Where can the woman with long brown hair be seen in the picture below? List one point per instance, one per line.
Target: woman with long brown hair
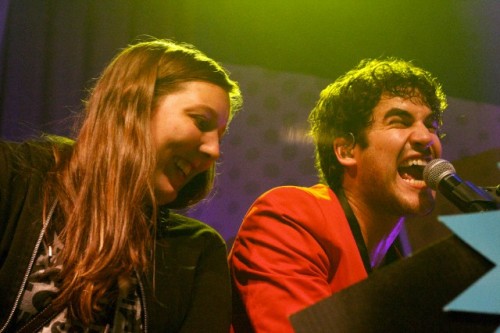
(87, 238)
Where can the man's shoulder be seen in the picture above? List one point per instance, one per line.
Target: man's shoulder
(319, 192)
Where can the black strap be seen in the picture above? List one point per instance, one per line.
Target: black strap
(40, 319)
(355, 229)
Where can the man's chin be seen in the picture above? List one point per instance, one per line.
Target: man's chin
(424, 208)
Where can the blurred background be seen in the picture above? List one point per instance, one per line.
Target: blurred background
(282, 53)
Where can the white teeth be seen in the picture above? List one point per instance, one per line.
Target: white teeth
(416, 161)
(414, 181)
(184, 166)
(409, 178)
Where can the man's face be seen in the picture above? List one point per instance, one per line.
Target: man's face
(400, 141)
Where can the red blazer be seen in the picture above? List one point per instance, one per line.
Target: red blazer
(294, 248)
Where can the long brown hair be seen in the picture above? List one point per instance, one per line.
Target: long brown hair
(103, 185)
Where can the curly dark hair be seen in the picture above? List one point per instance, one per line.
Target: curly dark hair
(346, 106)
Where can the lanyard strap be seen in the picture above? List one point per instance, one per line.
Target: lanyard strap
(355, 229)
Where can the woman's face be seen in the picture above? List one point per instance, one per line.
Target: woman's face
(187, 127)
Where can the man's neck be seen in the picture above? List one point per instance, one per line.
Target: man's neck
(379, 230)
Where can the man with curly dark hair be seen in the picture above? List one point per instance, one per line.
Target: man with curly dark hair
(375, 128)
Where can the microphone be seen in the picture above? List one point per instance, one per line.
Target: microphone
(440, 175)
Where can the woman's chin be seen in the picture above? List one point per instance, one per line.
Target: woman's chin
(163, 198)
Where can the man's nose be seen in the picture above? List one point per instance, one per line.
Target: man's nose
(422, 136)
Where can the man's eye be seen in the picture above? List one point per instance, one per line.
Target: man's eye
(433, 127)
(399, 122)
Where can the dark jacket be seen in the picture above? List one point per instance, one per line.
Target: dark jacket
(192, 291)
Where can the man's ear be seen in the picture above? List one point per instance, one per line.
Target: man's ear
(343, 149)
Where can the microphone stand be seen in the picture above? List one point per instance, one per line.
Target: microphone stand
(494, 192)
(468, 197)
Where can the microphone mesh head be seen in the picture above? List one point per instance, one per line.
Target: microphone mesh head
(436, 170)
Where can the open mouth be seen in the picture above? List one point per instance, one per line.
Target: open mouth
(411, 171)
(183, 166)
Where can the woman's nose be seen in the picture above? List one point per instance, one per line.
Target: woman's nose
(210, 145)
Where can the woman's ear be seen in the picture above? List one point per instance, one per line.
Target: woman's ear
(343, 148)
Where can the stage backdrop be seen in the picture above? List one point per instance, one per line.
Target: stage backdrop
(267, 145)
(51, 50)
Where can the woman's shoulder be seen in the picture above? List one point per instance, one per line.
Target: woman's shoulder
(181, 226)
(33, 154)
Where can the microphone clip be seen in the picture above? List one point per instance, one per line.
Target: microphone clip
(467, 196)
